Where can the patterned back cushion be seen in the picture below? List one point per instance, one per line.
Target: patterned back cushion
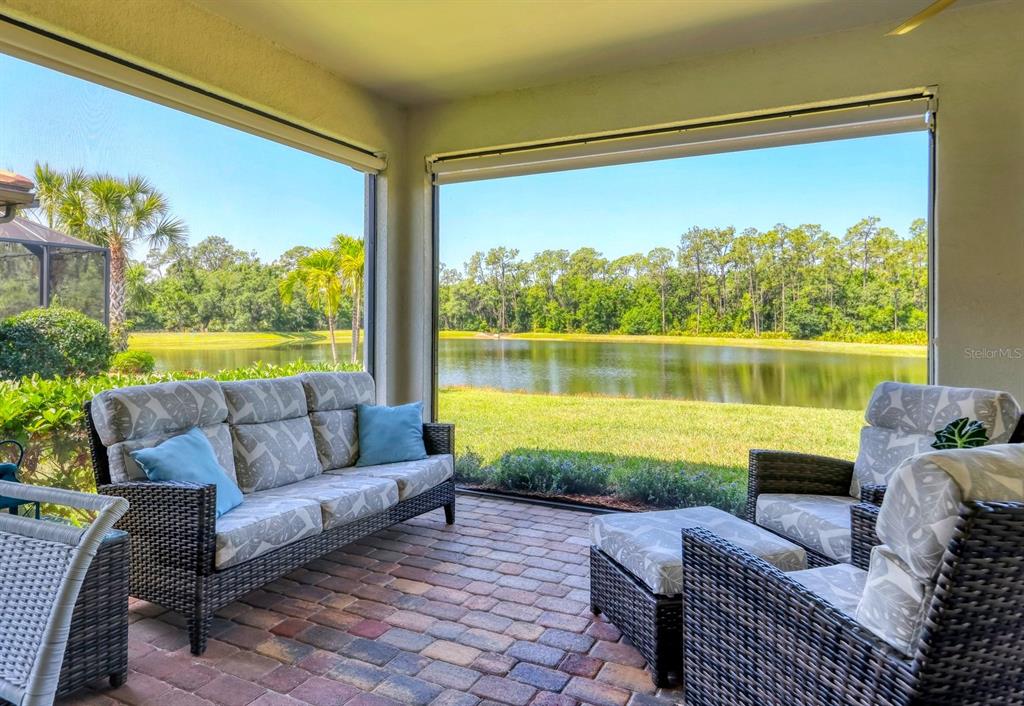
(271, 435)
(332, 399)
(902, 421)
(917, 521)
(142, 416)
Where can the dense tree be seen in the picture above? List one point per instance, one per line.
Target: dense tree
(798, 281)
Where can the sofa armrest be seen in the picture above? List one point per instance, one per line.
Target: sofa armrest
(873, 494)
(172, 524)
(439, 438)
(741, 610)
(791, 472)
(863, 534)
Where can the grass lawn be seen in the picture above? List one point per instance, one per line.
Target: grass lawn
(630, 433)
(788, 344)
(175, 340)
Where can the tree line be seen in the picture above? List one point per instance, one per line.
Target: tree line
(800, 282)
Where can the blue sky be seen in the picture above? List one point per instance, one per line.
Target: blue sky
(258, 194)
(267, 197)
(632, 208)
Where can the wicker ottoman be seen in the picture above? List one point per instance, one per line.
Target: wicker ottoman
(636, 574)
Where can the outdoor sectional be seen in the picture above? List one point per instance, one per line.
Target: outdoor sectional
(290, 443)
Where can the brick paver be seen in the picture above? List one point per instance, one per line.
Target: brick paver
(493, 610)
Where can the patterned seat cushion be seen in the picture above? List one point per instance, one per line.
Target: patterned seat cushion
(821, 522)
(263, 523)
(137, 417)
(332, 399)
(903, 418)
(649, 544)
(411, 477)
(271, 434)
(343, 499)
(917, 522)
(840, 584)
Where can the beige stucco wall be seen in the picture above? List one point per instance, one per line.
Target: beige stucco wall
(975, 57)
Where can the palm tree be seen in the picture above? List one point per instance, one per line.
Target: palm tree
(319, 276)
(116, 213)
(353, 263)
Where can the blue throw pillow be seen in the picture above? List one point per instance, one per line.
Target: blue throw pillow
(390, 434)
(190, 457)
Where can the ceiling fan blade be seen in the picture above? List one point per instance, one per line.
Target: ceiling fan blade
(914, 22)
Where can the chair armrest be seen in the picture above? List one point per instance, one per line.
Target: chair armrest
(741, 610)
(791, 472)
(873, 494)
(439, 438)
(863, 535)
(172, 524)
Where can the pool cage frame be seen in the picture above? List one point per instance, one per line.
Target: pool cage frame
(39, 241)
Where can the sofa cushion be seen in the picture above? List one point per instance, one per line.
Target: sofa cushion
(343, 498)
(273, 454)
(259, 401)
(326, 392)
(263, 523)
(820, 522)
(649, 544)
(840, 584)
(141, 411)
(903, 418)
(390, 434)
(124, 468)
(190, 458)
(337, 442)
(412, 477)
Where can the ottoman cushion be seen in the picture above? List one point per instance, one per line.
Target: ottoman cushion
(649, 546)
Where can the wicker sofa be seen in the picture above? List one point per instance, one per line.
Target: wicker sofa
(935, 620)
(817, 501)
(290, 444)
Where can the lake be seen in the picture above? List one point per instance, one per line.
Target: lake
(714, 373)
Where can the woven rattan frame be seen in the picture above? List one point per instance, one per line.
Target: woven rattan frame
(863, 518)
(98, 639)
(173, 530)
(653, 623)
(754, 637)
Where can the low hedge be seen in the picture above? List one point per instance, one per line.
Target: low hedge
(52, 342)
(137, 362)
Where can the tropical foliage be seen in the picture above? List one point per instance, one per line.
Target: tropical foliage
(116, 213)
(799, 282)
(53, 341)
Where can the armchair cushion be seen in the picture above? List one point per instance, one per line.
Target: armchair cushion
(840, 584)
(903, 418)
(647, 544)
(820, 522)
(895, 601)
(263, 523)
(343, 499)
(411, 477)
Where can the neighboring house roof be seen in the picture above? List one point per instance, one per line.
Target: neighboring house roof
(22, 230)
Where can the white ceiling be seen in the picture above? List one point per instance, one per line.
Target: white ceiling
(416, 51)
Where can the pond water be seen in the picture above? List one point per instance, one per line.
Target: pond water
(711, 373)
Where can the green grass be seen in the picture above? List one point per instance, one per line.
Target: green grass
(630, 433)
(183, 340)
(788, 344)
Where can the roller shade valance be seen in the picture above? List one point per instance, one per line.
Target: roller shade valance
(788, 128)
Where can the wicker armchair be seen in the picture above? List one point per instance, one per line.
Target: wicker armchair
(758, 637)
(811, 499)
(42, 567)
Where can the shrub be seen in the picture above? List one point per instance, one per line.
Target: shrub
(674, 487)
(549, 474)
(53, 342)
(469, 468)
(133, 362)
